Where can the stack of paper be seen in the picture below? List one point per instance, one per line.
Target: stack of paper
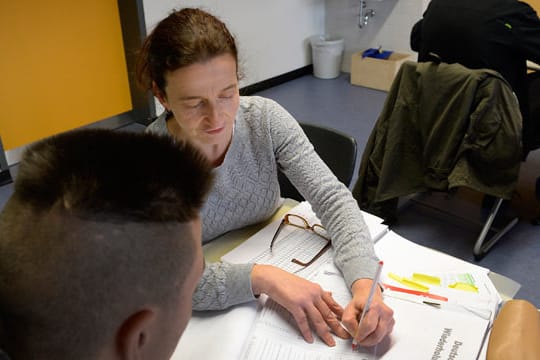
(443, 306)
(436, 320)
(421, 331)
(293, 242)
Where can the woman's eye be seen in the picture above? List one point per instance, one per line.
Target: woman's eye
(194, 104)
(227, 95)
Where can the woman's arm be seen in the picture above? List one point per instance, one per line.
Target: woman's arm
(333, 203)
(223, 285)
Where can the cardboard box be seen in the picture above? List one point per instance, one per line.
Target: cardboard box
(376, 73)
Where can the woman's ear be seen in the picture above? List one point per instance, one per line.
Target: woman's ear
(158, 93)
(133, 335)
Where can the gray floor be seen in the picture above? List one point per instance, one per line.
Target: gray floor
(352, 109)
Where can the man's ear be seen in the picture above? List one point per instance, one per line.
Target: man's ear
(160, 96)
(133, 335)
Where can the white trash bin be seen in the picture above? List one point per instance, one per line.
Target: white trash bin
(327, 53)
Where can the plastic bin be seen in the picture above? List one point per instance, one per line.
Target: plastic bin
(327, 54)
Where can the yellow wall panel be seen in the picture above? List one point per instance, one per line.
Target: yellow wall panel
(62, 66)
(535, 4)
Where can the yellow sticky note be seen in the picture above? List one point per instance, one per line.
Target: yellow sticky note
(414, 284)
(427, 279)
(410, 283)
(463, 286)
(394, 276)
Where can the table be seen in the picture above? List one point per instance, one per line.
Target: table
(214, 250)
(221, 334)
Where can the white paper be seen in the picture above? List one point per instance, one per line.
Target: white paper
(216, 334)
(403, 257)
(276, 336)
(293, 243)
(421, 332)
(395, 249)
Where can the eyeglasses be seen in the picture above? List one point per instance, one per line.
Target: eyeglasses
(299, 222)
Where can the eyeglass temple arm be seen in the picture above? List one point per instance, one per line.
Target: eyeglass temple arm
(276, 233)
(318, 255)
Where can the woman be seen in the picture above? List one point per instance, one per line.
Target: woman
(190, 62)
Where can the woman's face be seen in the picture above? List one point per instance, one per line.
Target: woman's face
(204, 98)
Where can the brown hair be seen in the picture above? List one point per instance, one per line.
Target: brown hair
(185, 37)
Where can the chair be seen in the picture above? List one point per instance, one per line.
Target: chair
(5, 175)
(338, 150)
(533, 92)
(442, 127)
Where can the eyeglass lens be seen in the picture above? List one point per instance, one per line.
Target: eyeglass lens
(300, 222)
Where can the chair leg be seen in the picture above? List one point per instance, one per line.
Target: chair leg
(482, 246)
(536, 221)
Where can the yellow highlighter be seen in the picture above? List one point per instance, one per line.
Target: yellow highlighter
(427, 279)
(410, 283)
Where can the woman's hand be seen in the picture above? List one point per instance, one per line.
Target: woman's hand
(378, 321)
(309, 304)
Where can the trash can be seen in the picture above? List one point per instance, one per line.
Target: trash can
(327, 52)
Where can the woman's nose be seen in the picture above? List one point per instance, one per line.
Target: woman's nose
(212, 112)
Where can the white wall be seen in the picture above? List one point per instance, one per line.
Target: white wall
(272, 36)
(389, 28)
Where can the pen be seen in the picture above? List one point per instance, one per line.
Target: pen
(368, 302)
(347, 330)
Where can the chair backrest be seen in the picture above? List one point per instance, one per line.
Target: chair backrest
(338, 150)
(5, 176)
(443, 126)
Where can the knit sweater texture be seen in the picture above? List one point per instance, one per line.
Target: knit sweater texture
(266, 139)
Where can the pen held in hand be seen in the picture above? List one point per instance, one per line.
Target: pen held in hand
(368, 302)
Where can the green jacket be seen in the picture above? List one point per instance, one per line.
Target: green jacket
(442, 126)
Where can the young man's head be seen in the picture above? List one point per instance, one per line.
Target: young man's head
(100, 247)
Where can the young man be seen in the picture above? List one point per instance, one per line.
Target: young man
(100, 247)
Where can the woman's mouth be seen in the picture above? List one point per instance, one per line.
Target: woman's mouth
(215, 131)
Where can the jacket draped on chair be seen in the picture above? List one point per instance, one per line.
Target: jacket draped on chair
(442, 126)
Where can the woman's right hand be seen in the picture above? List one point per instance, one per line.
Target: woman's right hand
(308, 303)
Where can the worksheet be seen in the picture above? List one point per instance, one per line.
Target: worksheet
(276, 336)
(412, 268)
(293, 243)
(422, 331)
(443, 306)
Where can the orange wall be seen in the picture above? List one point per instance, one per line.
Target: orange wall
(535, 4)
(62, 65)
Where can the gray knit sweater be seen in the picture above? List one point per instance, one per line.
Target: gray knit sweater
(246, 191)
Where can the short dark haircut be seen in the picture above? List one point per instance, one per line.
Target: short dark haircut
(86, 237)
